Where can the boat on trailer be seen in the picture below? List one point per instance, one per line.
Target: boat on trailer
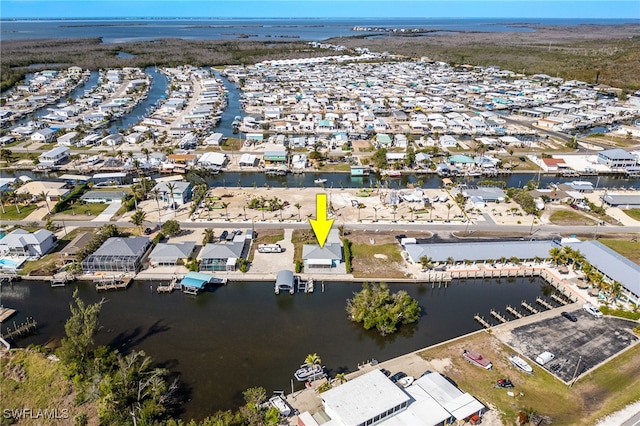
(477, 359)
(520, 363)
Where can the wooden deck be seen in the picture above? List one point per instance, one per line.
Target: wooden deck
(6, 313)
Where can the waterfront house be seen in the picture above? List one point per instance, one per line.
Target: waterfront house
(180, 194)
(103, 196)
(118, 254)
(172, 254)
(623, 201)
(53, 191)
(316, 257)
(222, 257)
(68, 139)
(43, 135)
(372, 399)
(23, 243)
(113, 178)
(112, 140)
(69, 252)
(275, 157)
(617, 158)
(215, 160)
(248, 160)
(54, 157)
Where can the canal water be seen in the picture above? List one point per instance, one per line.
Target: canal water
(241, 335)
(157, 92)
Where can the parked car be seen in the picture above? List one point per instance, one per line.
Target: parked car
(589, 308)
(385, 372)
(569, 316)
(224, 235)
(399, 375)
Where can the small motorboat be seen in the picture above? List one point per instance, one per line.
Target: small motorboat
(477, 359)
(504, 383)
(309, 372)
(405, 381)
(520, 363)
(281, 405)
(319, 181)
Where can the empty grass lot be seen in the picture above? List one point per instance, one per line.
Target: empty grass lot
(377, 260)
(627, 248)
(605, 390)
(633, 214)
(568, 217)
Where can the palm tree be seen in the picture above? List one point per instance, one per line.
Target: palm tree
(425, 262)
(156, 195)
(450, 260)
(360, 207)
(312, 359)
(375, 213)
(6, 155)
(341, 378)
(16, 200)
(449, 207)
(395, 210)
(298, 206)
(225, 206)
(614, 290)
(138, 218)
(209, 235)
(44, 196)
(412, 210)
(556, 255)
(171, 187)
(3, 198)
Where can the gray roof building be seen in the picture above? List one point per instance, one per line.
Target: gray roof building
(486, 193)
(171, 253)
(480, 251)
(221, 257)
(612, 264)
(622, 200)
(118, 254)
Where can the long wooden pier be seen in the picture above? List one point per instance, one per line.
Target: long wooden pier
(22, 329)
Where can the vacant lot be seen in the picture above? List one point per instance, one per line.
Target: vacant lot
(569, 218)
(597, 394)
(628, 248)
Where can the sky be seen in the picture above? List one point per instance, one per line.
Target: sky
(563, 9)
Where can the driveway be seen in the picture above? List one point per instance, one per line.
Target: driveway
(274, 262)
(108, 213)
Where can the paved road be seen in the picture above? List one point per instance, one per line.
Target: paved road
(633, 421)
(400, 226)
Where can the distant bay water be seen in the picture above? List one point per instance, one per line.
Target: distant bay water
(133, 30)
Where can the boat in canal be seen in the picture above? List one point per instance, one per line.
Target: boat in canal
(309, 372)
(319, 181)
(281, 405)
(477, 359)
(520, 363)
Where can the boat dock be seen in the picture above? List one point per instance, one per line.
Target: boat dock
(22, 329)
(61, 279)
(497, 316)
(482, 321)
(112, 283)
(173, 285)
(529, 308)
(6, 313)
(543, 302)
(514, 312)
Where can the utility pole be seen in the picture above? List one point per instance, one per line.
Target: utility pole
(573, 379)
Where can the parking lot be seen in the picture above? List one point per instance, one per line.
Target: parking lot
(577, 346)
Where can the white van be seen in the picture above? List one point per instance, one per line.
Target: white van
(270, 248)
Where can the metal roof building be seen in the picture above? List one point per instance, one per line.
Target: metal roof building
(118, 254)
(622, 200)
(613, 265)
(480, 251)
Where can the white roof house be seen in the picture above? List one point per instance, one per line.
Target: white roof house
(216, 159)
(25, 244)
(363, 399)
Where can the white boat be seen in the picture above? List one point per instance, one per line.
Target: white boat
(477, 359)
(307, 372)
(319, 181)
(281, 405)
(520, 363)
(406, 381)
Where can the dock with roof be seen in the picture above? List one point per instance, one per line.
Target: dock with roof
(194, 282)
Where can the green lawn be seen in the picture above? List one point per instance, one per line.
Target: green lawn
(11, 212)
(633, 214)
(628, 248)
(377, 260)
(32, 381)
(568, 217)
(89, 209)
